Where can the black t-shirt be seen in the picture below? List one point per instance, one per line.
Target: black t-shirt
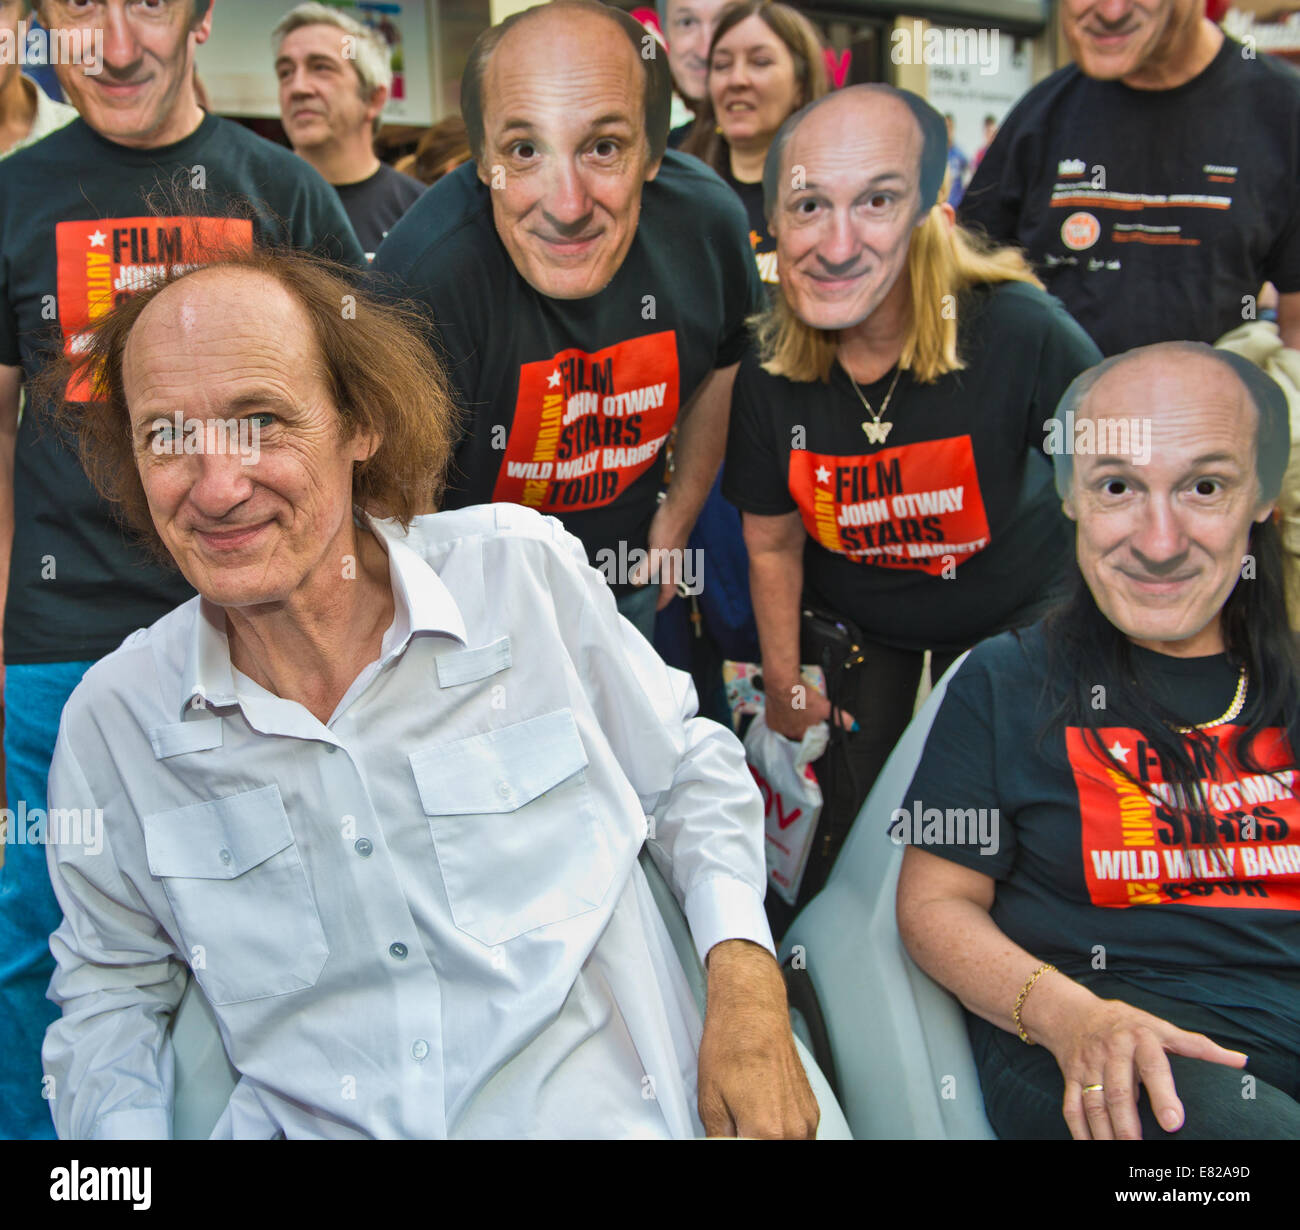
(569, 402)
(951, 529)
(374, 204)
(1151, 213)
(76, 234)
(760, 238)
(679, 134)
(1091, 874)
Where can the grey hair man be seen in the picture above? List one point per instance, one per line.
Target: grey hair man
(335, 78)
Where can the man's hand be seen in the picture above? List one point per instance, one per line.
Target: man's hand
(1120, 1048)
(751, 1082)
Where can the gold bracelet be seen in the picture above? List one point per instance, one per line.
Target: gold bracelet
(1020, 999)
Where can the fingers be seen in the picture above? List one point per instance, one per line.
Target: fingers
(667, 592)
(1120, 1091)
(1198, 1046)
(1072, 1110)
(1153, 1070)
(1093, 1096)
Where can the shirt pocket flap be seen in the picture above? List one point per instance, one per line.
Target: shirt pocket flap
(500, 770)
(469, 665)
(218, 840)
(196, 736)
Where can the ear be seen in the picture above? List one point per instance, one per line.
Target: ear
(653, 169)
(364, 445)
(376, 104)
(1266, 511)
(1067, 507)
(949, 214)
(204, 28)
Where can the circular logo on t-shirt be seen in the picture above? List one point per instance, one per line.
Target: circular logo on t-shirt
(1080, 231)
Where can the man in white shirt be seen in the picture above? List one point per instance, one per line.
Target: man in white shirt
(382, 789)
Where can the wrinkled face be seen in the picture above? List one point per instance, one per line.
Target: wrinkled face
(847, 206)
(565, 149)
(752, 82)
(1110, 39)
(144, 95)
(321, 98)
(1161, 545)
(223, 347)
(689, 33)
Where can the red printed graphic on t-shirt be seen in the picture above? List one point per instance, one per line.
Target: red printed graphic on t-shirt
(101, 262)
(915, 506)
(1144, 850)
(587, 426)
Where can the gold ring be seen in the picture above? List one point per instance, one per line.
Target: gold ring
(1093, 1088)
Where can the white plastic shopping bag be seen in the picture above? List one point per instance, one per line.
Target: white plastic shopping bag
(792, 799)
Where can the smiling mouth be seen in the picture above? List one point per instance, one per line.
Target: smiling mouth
(739, 105)
(1157, 585)
(569, 247)
(232, 539)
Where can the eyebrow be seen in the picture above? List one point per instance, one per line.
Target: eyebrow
(519, 124)
(876, 181)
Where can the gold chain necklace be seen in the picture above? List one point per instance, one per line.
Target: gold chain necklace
(876, 430)
(1238, 704)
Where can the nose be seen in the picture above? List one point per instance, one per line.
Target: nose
(1113, 12)
(122, 50)
(221, 483)
(566, 203)
(838, 249)
(1160, 544)
(297, 83)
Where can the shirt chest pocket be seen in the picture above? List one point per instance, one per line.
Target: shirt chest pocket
(239, 891)
(519, 841)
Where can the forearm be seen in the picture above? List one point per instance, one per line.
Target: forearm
(959, 945)
(698, 452)
(776, 586)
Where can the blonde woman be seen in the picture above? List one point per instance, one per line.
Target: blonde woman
(886, 442)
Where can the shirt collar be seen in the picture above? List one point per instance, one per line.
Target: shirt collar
(421, 603)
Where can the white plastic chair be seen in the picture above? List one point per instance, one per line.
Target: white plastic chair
(892, 1041)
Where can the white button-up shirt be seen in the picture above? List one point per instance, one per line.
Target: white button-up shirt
(425, 917)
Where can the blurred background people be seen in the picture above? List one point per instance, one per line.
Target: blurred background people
(1154, 182)
(764, 63)
(27, 112)
(886, 441)
(958, 164)
(441, 149)
(687, 27)
(334, 80)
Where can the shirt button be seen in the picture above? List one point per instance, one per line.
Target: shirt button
(225, 856)
(397, 951)
(504, 789)
(331, 748)
(364, 846)
(419, 1048)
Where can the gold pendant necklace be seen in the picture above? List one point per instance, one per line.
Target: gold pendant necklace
(1238, 704)
(876, 430)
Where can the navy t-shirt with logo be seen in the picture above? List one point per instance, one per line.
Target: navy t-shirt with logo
(948, 530)
(80, 229)
(1095, 870)
(570, 402)
(1154, 215)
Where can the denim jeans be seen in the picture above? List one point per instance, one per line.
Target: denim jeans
(34, 700)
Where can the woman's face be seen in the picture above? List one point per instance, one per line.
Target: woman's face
(752, 83)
